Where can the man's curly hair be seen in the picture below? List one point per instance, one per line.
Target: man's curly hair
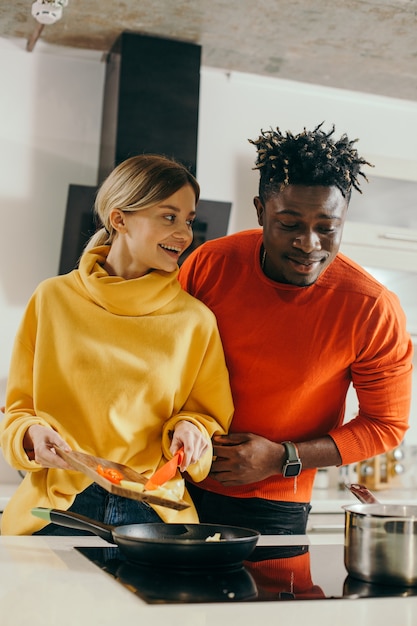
(309, 158)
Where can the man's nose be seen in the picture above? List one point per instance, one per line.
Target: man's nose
(307, 242)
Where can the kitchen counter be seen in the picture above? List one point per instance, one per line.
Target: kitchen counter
(332, 500)
(44, 581)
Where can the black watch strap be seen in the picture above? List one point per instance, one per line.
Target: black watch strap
(292, 464)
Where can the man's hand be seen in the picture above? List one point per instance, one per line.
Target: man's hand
(39, 443)
(243, 458)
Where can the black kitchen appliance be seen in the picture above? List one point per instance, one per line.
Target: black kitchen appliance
(276, 573)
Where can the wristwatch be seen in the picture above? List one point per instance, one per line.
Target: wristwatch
(292, 464)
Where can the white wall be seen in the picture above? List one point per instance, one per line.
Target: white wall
(235, 107)
(50, 116)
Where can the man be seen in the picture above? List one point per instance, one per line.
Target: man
(299, 323)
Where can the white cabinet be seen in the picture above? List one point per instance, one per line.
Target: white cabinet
(326, 523)
(386, 247)
(390, 254)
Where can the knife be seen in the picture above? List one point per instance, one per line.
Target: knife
(166, 472)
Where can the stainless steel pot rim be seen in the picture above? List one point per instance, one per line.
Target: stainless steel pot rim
(394, 512)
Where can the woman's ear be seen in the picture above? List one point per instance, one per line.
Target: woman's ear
(259, 209)
(117, 220)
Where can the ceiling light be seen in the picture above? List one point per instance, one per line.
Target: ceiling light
(48, 11)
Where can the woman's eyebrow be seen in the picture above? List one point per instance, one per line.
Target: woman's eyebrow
(175, 208)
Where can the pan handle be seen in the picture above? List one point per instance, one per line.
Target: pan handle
(362, 493)
(75, 520)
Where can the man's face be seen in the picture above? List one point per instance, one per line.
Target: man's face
(302, 231)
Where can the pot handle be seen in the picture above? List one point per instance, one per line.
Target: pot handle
(362, 493)
(75, 520)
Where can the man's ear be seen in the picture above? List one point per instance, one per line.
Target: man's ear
(117, 220)
(259, 209)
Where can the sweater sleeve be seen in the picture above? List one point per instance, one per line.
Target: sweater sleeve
(209, 405)
(20, 412)
(382, 378)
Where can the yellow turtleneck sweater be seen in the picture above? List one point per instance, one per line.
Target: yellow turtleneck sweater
(112, 365)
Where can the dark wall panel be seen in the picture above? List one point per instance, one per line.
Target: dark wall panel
(79, 225)
(150, 104)
(212, 222)
(151, 100)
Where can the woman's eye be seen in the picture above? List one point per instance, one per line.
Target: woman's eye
(190, 223)
(170, 218)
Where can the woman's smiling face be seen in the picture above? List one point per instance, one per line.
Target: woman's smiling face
(153, 238)
(302, 231)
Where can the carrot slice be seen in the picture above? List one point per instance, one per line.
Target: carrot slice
(112, 474)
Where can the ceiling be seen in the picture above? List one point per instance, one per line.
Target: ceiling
(368, 45)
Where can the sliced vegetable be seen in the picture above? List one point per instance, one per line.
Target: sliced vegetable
(174, 492)
(112, 474)
(130, 484)
(215, 537)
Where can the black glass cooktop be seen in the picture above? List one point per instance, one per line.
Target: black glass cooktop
(282, 573)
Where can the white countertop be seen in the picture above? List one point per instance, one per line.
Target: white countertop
(44, 582)
(59, 586)
(332, 500)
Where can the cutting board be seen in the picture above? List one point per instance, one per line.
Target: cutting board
(87, 464)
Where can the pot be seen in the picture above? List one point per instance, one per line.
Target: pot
(166, 545)
(380, 540)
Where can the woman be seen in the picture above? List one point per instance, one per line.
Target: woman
(115, 359)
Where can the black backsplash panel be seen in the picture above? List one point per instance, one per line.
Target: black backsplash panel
(212, 222)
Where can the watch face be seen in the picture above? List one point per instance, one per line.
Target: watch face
(292, 469)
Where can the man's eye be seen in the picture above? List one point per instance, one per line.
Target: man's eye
(287, 226)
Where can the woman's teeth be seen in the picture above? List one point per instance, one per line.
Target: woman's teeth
(170, 248)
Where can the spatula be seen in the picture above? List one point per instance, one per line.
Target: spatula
(166, 472)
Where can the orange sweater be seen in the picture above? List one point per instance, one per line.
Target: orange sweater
(284, 577)
(292, 353)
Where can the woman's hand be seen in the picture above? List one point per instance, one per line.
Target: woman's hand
(187, 435)
(39, 443)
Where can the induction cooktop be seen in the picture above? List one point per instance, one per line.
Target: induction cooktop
(278, 573)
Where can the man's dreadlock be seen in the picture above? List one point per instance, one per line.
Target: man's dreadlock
(309, 158)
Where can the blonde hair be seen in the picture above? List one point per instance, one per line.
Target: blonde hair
(138, 183)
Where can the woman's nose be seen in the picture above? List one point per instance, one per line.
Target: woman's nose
(183, 231)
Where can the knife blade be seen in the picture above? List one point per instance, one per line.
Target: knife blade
(166, 472)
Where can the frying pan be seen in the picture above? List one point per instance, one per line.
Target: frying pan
(166, 545)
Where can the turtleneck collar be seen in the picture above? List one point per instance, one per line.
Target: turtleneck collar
(134, 297)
